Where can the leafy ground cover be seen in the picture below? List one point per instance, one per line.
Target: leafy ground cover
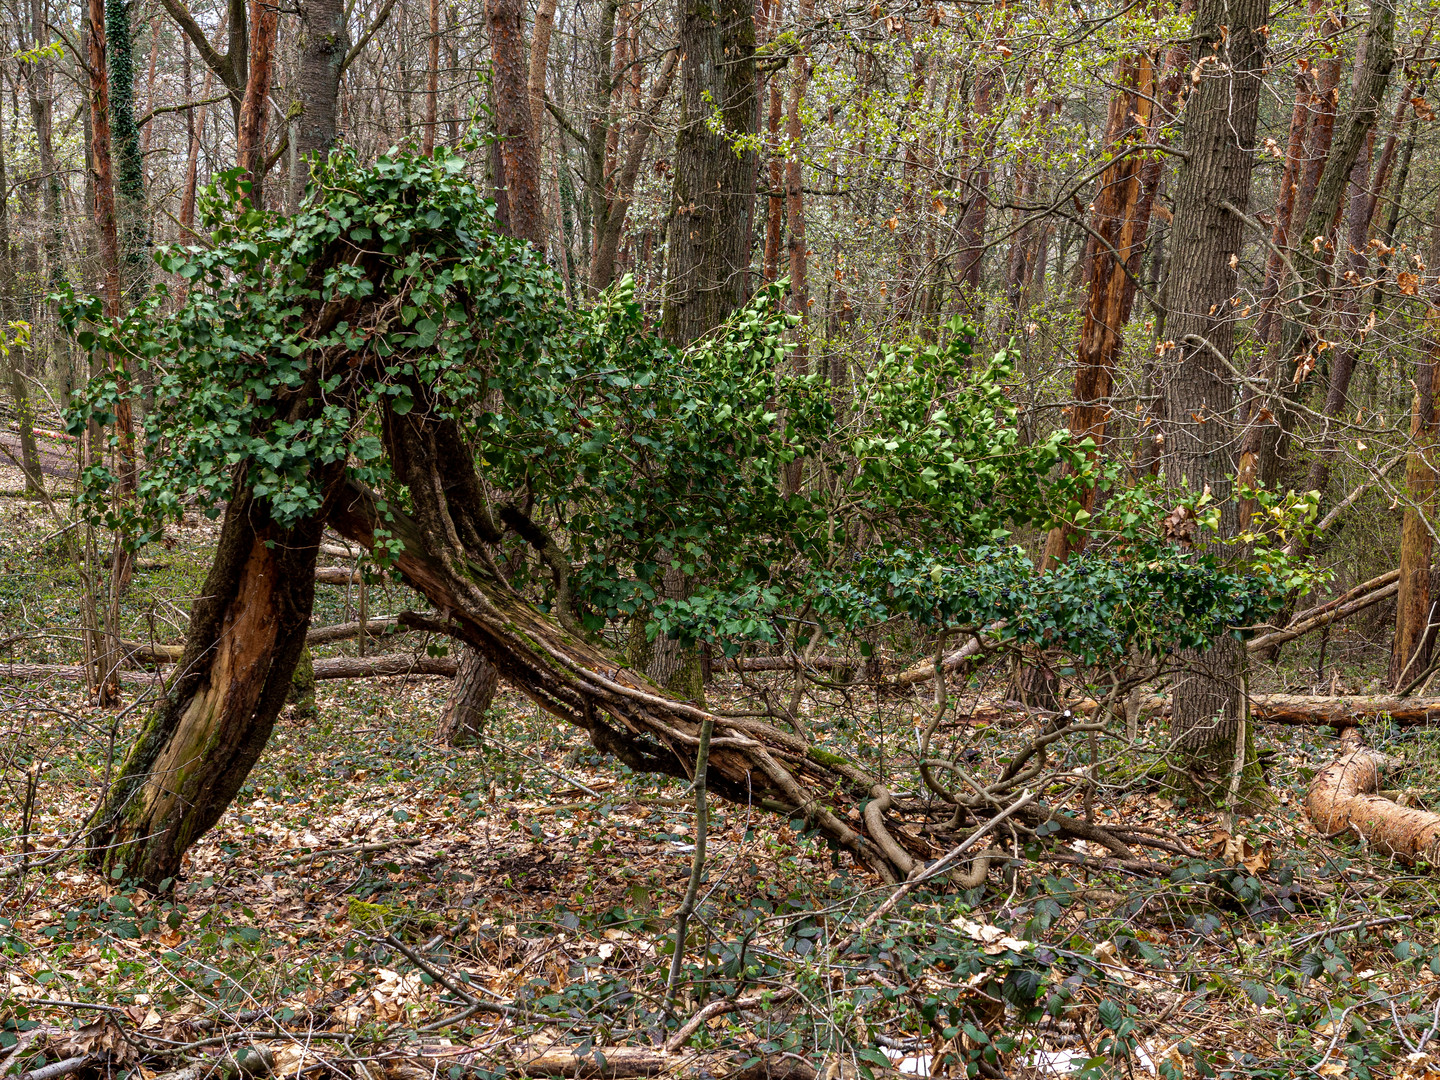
(377, 904)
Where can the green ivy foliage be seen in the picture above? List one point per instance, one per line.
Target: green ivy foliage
(293, 338)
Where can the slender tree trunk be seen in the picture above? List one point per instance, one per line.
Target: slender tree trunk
(24, 411)
(129, 167)
(149, 124)
(518, 150)
(709, 246)
(1220, 120)
(1346, 167)
(324, 41)
(194, 128)
(775, 204)
(617, 206)
(1119, 231)
(255, 109)
(796, 243)
(432, 81)
(1411, 650)
(463, 718)
(977, 197)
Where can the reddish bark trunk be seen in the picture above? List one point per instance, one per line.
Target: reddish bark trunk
(518, 152)
(255, 108)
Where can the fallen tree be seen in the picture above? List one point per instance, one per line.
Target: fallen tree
(419, 367)
(1344, 797)
(1343, 606)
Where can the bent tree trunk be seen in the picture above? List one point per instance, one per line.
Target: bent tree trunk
(247, 632)
(463, 718)
(622, 712)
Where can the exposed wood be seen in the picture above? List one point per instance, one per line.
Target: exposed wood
(336, 575)
(1343, 798)
(379, 667)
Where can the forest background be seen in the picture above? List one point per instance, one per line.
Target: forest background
(1123, 586)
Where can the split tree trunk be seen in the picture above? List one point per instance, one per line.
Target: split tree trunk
(247, 631)
(463, 718)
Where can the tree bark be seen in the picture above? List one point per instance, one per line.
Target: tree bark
(255, 109)
(1220, 120)
(1410, 652)
(1119, 229)
(463, 718)
(247, 631)
(539, 61)
(432, 81)
(518, 150)
(708, 262)
(769, 15)
(324, 41)
(24, 410)
(981, 136)
(129, 173)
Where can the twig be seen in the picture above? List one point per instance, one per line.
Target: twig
(352, 849)
(1363, 924)
(697, 863)
(429, 969)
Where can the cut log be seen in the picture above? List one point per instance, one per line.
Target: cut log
(391, 626)
(336, 575)
(1343, 797)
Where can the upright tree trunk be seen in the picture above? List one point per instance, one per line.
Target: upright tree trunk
(1220, 120)
(14, 358)
(471, 692)
(981, 136)
(775, 203)
(247, 632)
(432, 81)
(324, 41)
(708, 261)
(1346, 167)
(518, 150)
(1119, 230)
(1411, 650)
(622, 187)
(255, 109)
(149, 125)
(539, 62)
(194, 128)
(129, 171)
(795, 185)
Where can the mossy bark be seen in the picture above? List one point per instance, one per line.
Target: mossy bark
(246, 637)
(302, 687)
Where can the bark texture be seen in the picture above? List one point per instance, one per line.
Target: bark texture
(1343, 798)
(463, 718)
(519, 152)
(1410, 652)
(1220, 120)
(247, 631)
(709, 240)
(255, 109)
(324, 41)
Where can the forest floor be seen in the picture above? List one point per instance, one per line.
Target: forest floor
(376, 904)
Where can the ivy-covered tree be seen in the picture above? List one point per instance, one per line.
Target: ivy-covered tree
(387, 364)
